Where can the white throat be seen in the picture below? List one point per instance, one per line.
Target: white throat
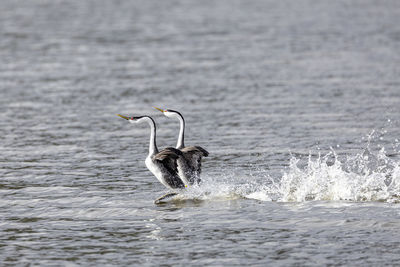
(180, 144)
(152, 145)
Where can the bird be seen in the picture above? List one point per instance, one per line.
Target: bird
(163, 164)
(192, 154)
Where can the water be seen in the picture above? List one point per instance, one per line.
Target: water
(298, 103)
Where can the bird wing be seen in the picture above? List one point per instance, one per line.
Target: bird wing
(193, 155)
(168, 157)
(195, 150)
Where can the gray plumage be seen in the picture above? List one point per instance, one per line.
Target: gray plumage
(193, 156)
(167, 158)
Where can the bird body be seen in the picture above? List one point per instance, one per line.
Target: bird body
(190, 172)
(163, 164)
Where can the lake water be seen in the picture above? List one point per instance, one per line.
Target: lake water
(298, 103)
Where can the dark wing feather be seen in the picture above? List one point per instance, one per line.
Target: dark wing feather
(166, 153)
(195, 150)
(193, 155)
(168, 157)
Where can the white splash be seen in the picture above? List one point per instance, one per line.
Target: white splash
(370, 175)
(364, 177)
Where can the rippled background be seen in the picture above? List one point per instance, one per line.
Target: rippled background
(298, 103)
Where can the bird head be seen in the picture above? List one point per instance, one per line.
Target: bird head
(168, 112)
(132, 119)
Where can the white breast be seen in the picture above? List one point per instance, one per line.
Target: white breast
(156, 170)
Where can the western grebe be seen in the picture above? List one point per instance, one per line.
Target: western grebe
(192, 154)
(163, 164)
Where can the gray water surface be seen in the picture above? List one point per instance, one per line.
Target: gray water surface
(265, 86)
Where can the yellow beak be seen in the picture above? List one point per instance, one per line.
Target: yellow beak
(124, 117)
(159, 109)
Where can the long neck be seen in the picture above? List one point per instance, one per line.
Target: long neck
(152, 146)
(180, 144)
